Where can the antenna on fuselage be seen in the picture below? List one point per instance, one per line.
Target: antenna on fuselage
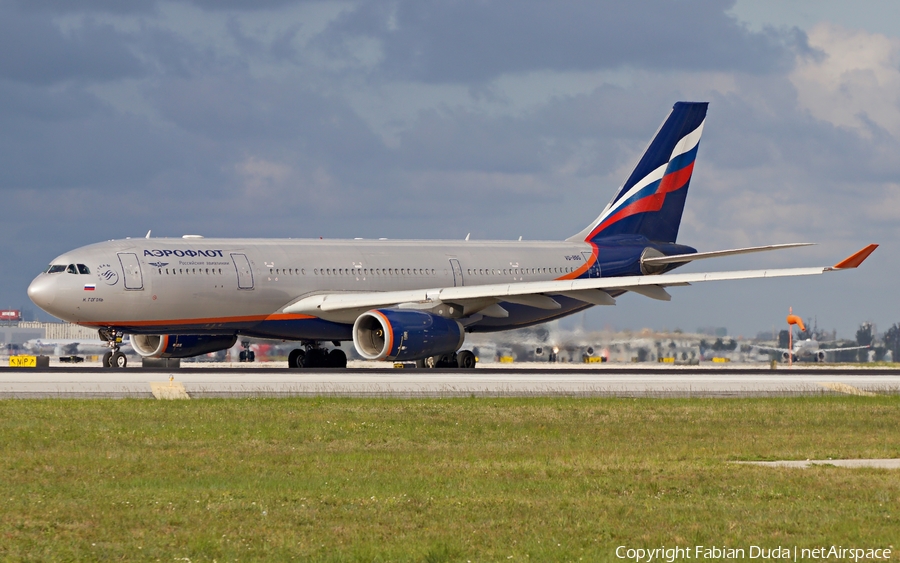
(468, 235)
(148, 233)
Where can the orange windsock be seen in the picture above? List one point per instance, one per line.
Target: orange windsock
(795, 320)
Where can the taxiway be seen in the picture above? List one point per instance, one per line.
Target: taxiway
(66, 382)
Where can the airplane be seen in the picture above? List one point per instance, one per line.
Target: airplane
(396, 300)
(807, 350)
(804, 350)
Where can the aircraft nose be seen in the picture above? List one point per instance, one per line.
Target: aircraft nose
(42, 292)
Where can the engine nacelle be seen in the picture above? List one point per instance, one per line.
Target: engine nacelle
(180, 345)
(403, 334)
(820, 356)
(785, 356)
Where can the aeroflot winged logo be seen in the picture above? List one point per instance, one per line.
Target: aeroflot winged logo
(107, 274)
(158, 253)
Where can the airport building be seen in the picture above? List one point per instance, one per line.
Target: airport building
(17, 333)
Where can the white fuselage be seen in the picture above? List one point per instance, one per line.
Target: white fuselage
(242, 285)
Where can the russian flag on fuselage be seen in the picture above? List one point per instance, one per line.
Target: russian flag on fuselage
(651, 201)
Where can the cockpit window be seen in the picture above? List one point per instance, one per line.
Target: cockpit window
(82, 269)
(56, 269)
(71, 269)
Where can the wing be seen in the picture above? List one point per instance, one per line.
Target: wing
(840, 349)
(770, 349)
(484, 299)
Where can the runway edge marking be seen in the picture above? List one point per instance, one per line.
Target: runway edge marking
(847, 389)
(168, 390)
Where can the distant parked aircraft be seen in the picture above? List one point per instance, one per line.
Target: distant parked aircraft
(805, 350)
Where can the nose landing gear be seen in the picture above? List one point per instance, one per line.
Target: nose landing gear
(114, 358)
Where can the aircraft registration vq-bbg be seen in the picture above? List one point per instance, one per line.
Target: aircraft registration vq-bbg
(397, 300)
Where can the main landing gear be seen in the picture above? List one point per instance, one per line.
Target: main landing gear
(246, 355)
(313, 356)
(464, 359)
(114, 358)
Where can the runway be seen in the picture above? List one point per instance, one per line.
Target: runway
(629, 381)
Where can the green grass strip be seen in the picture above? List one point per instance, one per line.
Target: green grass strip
(437, 480)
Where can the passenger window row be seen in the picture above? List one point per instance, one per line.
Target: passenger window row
(375, 271)
(518, 271)
(415, 271)
(190, 271)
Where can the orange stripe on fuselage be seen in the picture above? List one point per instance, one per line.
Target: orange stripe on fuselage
(595, 253)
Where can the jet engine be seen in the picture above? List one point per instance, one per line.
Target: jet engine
(785, 356)
(403, 334)
(179, 346)
(820, 356)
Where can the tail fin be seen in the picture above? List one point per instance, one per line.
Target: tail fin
(651, 202)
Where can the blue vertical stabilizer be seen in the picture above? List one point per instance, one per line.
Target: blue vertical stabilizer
(651, 201)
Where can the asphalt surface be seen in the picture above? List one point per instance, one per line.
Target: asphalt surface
(616, 381)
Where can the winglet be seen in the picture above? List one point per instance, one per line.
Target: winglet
(856, 259)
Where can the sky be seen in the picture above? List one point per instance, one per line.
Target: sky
(435, 119)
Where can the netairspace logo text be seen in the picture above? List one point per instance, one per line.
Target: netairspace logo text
(672, 554)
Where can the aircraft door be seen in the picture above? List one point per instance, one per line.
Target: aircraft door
(244, 273)
(132, 270)
(457, 272)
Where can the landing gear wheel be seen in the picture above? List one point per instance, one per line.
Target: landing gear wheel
(336, 359)
(465, 359)
(106, 361)
(315, 358)
(118, 360)
(426, 363)
(296, 359)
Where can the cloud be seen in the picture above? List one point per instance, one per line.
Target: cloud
(85, 6)
(34, 50)
(149, 6)
(855, 84)
(476, 41)
(405, 119)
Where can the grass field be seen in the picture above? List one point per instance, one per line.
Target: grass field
(438, 480)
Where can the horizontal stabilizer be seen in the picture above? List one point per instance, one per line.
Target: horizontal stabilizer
(684, 258)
